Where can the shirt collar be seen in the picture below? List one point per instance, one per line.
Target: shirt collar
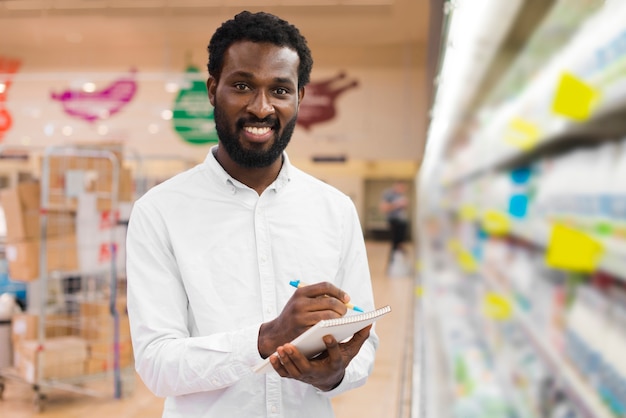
(284, 176)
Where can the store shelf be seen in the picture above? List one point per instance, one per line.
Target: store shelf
(606, 122)
(590, 57)
(504, 373)
(579, 391)
(537, 232)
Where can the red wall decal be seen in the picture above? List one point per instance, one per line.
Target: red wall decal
(8, 67)
(318, 104)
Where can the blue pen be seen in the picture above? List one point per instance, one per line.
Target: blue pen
(298, 283)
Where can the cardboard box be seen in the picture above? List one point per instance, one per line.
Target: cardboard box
(102, 329)
(101, 308)
(60, 358)
(24, 326)
(101, 356)
(75, 174)
(105, 364)
(23, 256)
(23, 214)
(105, 349)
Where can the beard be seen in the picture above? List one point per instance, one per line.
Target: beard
(246, 157)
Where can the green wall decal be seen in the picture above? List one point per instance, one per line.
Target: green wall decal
(192, 115)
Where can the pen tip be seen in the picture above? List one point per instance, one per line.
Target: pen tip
(357, 309)
(294, 283)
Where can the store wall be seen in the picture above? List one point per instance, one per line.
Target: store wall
(381, 118)
(378, 120)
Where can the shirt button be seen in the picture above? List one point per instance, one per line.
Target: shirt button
(274, 409)
(268, 310)
(263, 259)
(214, 382)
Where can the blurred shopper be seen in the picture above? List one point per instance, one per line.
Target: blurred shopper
(394, 204)
(211, 251)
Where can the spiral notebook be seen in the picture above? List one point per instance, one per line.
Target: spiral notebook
(310, 342)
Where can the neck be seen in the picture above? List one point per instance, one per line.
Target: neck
(255, 178)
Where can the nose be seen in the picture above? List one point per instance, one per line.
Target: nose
(261, 105)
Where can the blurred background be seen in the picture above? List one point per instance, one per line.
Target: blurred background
(506, 119)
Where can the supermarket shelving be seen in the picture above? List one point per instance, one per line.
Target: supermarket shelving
(588, 402)
(485, 154)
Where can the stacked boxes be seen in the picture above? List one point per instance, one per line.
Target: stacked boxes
(62, 355)
(59, 358)
(83, 171)
(22, 210)
(74, 345)
(70, 176)
(97, 328)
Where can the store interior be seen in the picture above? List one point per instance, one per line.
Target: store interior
(507, 119)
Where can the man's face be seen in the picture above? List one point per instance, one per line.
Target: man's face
(256, 101)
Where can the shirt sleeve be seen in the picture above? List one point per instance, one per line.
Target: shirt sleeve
(167, 358)
(354, 278)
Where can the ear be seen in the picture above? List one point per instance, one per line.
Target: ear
(300, 96)
(211, 86)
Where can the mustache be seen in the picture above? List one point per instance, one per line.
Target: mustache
(267, 121)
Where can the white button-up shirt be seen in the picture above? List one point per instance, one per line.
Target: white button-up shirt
(209, 261)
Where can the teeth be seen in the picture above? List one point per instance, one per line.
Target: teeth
(257, 131)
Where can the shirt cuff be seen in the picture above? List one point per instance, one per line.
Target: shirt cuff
(248, 340)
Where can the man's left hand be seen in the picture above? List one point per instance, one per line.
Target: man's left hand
(325, 371)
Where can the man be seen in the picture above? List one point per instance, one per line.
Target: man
(394, 204)
(211, 251)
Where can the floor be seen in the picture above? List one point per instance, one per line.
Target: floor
(389, 384)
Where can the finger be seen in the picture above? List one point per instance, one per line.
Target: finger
(363, 334)
(277, 365)
(352, 347)
(327, 299)
(360, 337)
(290, 358)
(325, 289)
(335, 358)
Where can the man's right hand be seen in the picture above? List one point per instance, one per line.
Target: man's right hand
(306, 307)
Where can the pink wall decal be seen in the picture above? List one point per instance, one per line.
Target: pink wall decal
(101, 104)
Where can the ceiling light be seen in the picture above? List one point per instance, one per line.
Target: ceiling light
(89, 87)
(48, 129)
(103, 129)
(166, 114)
(171, 87)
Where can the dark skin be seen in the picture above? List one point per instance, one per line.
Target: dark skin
(261, 80)
(305, 308)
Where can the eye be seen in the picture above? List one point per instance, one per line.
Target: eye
(281, 91)
(241, 87)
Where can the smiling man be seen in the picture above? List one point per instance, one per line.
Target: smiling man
(211, 251)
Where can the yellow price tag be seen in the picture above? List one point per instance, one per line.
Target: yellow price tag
(467, 262)
(419, 291)
(497, 306)
(454, 245)
(468, 212)
(496, 222)
(522, 134)
(575, 98)
(570, 249)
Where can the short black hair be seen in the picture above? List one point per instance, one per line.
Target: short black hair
(259, 27)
